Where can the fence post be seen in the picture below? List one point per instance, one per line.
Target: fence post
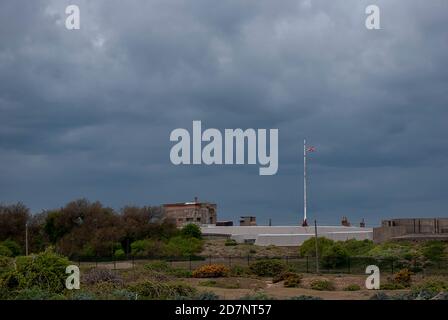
(248, 260)
(190, 261)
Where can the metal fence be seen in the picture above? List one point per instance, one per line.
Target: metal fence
(349, 265)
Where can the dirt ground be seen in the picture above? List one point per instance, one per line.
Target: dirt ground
(225, 288)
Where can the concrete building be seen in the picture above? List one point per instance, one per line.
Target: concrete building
(285, 235)
(248, 221)
(200, 213)
(412, 229)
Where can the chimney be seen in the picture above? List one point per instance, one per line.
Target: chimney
(362, 224)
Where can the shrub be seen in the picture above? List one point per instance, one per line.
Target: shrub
(238, 271)
(431, 285)
(162, 290)
(334, 256)
(81, 295)
(380, 296)
(207, 295)
(230, 242)
(98, 275)
(191, 231)
(308, 247)
(123, 294)
(182, 247)
(268, 268)
(45, 271)
(291, 279)
(211, 271)
(4, 251)
(163, 266)
(355, 247)
(305, 297)
(352, 287)
(392, 286)
(434, 250)
(322, 285)
(157, 265)
(148, 248)
(36, 293)
(119, 254)
(403, 277)
(13, 246)
(256, 296)
(6, 264)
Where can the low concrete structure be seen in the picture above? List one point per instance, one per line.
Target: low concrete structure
(287, 235)
(412, 229)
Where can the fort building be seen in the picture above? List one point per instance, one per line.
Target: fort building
(413, 229)
(200, 213)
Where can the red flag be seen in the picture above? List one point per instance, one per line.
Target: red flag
(311, 149)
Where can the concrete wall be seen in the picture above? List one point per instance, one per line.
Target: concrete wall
(288, 235)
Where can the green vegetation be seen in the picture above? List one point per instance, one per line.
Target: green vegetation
(322, 285)
(44, 272)
(352, 287)
(268, 268)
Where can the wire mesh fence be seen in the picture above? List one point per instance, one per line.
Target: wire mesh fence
(307, 264)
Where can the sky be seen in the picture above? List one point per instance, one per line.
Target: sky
(89, 112)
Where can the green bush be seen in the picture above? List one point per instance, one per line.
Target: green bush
(257, 296)
(6, 264)
(164, 267)
(392, 286)
(36, 293)
(206, 295)
(162, 290)
(268, 267)
(13, 246)
(119, 254)
(230, 242)
(380, 296)
(305, 297)
(352, 287)
(355, 247)
(334, 256)
(431, 285)
(322, 285)
(182, 247)
(5, 251)
(434, 251)
(308, 247)
(239, 271)
(191, 231)
(45, 271)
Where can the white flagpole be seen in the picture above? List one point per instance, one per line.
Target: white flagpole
(304, 223)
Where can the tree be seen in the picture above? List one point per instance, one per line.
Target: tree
(308, 247)
(191, 231)
(13, 219)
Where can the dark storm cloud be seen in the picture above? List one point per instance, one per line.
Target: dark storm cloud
(89, 112)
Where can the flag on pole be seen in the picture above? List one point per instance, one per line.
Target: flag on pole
(311, 149)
